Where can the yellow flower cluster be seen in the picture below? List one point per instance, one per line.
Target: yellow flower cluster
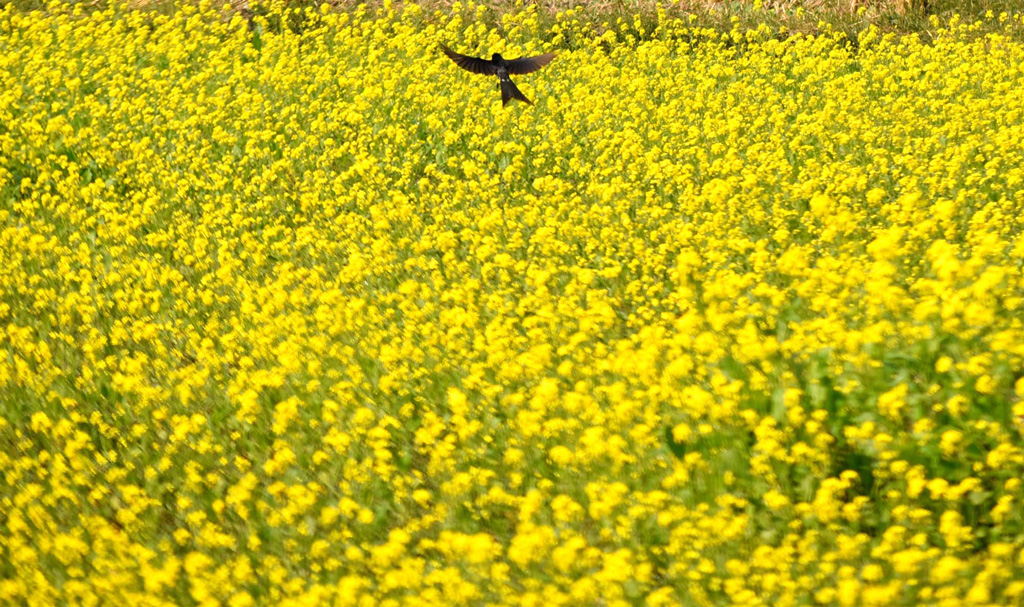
(300, 315)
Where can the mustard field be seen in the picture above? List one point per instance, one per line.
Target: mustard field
(299, 315)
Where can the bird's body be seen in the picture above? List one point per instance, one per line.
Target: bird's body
(503, 69)
(508, 88)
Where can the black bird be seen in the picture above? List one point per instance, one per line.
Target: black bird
(502, 68)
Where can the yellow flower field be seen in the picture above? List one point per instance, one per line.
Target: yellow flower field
(310, 319)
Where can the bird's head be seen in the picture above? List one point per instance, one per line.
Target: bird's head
(496, 57)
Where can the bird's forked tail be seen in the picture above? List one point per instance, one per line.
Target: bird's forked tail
(509, 91)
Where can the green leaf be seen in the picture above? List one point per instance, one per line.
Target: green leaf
(677, 449)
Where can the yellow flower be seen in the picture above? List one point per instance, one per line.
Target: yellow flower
(560, 455)
(311, 305)
(950, 441)
(820, 204)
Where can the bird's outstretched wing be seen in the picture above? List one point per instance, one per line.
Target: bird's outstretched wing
(525, 65)
(472, 64)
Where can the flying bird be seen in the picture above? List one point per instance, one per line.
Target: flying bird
(502, 68)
